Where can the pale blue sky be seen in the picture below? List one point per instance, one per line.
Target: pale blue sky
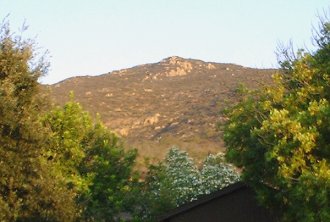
(97, 36)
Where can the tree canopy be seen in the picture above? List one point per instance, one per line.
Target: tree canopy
(91, 159)
(27, 186)
(280, 136)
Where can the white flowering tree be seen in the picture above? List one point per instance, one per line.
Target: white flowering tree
(177, 180)
(183, 175)
(217, 174)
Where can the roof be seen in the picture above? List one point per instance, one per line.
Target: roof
(204, 199)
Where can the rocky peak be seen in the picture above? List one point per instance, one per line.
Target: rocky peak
(172, 60)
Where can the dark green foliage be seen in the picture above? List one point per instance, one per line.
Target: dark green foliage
(280, 137)
(27, 186)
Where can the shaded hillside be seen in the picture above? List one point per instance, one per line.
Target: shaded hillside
(172, 102)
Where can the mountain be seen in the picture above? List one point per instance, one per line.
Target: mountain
(173, 102)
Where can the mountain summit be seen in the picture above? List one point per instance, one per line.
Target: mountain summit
(173, 102)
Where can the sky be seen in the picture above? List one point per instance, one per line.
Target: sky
(93, 37)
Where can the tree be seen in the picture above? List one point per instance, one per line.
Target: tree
(177, 180)
(69, 126)
(93, 161)
(216, 173)
(280, 136)
(172, 182)
(110, 169)
(30, 189)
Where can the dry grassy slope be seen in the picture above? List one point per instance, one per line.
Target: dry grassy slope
(172, 102)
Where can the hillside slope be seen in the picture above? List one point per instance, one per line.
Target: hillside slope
(173, 102)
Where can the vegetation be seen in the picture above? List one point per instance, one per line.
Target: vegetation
(69, 126)
(92, 160)
(177, 180)
(56, 165)
(280, 136)
(109, 169)
(30, 189)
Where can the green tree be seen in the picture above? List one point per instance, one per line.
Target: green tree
(110, 168)
(30, 189)
(280, 136)
(69, 126)
(93, 161)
